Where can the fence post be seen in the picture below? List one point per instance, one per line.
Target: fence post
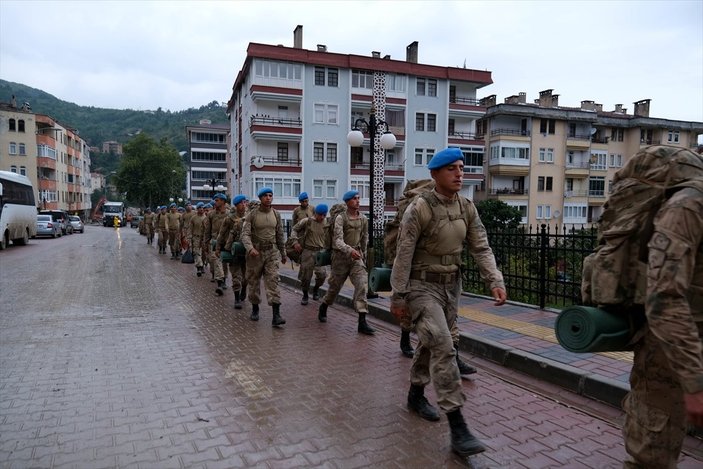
(543, 242)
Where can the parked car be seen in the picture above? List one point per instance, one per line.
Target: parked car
(134, 222)
(60, 217)
(76, 223)
(46, 226)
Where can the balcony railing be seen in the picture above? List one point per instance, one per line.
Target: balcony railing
(650, 141)
(600, 139)
(596, 193)
(277, 160)
(575, 193)
(507, 191)
(586, 137)
(578, 165)
(518, 132)
(276, 121)
(386, 166)
(469, 101)
(465, 135)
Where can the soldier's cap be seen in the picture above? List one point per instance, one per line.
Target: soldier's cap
(148, 209)
(264, 190)
(238, 199)
(321, 209)
(173, 205)
(199, 205)
(181, 209)
(303, 196)
(349, 195)
(207, 205)
(220, 195)
(445, 157)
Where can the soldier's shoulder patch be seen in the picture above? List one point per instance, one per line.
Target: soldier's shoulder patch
(660, 241)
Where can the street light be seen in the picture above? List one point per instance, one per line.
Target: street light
(214, 185)
(377, 146)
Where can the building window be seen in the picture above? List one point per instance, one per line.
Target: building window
(324, 188)
(333, 77)
(615, 161)
(617, 135)
(320, 149)
(320, 76)
(326, 113)
(23, 170)
(13, 169)
(546, 155)
(569, 186)
(423, 156)
(599, 161)
(282, 70)
(22, 149)
(12, 150)
(20, 125)
(547, 126)
(331, 152)
(426, 87)
(395, 82)
(544, 212)
(208, 156)
(12, 126)
(357, 156)
(282, 152)
(425, 122)
(362, 186)
(205, 137)
(596, 186)
(517, 153)
(282, 186)
(673, 136)
(544, 183)
(362, 79)
(575, 211)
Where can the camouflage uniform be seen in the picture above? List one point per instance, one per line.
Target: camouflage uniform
(185, 226)
(231, 231)
(263, 231)
(426, 274)
(163, 231)
(213, 221)
(196, 230)
(312, 242)
(299, 213)
(173, 226)
(149, 218)
(668, 360)
(349, 234)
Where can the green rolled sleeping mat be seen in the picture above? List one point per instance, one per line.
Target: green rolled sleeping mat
(236, 250)
(323, 257)
(380, 279)
(586, 329)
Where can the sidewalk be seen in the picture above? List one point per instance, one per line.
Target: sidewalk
(520, 337)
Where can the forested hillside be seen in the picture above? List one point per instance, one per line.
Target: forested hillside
(97, 125)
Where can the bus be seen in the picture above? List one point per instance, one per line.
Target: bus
(18, 213)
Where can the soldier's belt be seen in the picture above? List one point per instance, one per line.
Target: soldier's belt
(264, 246)
(430, 259)
(434, 277)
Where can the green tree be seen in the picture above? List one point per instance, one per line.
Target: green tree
(150, 172)
(496, 215)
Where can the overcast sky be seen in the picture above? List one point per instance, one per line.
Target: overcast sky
(181, 54)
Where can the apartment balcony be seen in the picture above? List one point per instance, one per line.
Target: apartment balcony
(389, 169)
(575, 194)
(518, 133)
(509, 167)
(596, 197)
(275, 163)
(47, 184)
(580, 142)
(655, 141)
(274, 128)
(46, 162)
(504, 193)
(465, 107)
(465, 138)
(276, 94)
(577, 169)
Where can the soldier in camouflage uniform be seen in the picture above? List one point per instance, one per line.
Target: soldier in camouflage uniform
(149, 218)
(262, 236)
(305, 210)
(349, 243)
(185, 226)
(231, 231)
(310, 232)
(667, 373)
(426, 283)
(196, 230)
(212, 228)
(173, 227)
(163, 229)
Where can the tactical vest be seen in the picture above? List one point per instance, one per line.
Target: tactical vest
(353, 230)
(441, 242)
(314, 235)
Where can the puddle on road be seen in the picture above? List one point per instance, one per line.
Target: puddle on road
(247, 377)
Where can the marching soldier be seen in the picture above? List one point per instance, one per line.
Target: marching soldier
(230, 232)
(149, 218)
(309, 238)
(213, 222)
(196, 230)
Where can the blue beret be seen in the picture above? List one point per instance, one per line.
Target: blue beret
(207, 205)
(445, 157)
(181, 209)
(173, 204)
(239, 198)
(148, 209)
(302, 196)
(199, 205)
(321, 209)
(349, 195)
(265, 190)
(220, 195)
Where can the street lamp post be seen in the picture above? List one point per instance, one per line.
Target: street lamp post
(377, 146)
(213, 185)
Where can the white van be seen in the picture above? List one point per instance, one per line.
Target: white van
(18, 212)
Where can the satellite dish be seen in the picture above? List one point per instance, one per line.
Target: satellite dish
(258, 162)
(557, 213)
(593, 131)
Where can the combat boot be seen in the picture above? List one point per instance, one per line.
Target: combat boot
(199, 271)
(364, 327)
(316, 293)
(322, 313)
(254, 313)
(463, 442)
(220, 287)
(417, 402)
(304, 301)
(277, 319)
(405, 345)
(237, 300)
(464, 368)
(243, 294)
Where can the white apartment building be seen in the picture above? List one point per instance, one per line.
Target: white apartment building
(292, 108)
(556, 164)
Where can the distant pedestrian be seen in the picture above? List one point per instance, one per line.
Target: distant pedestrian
(162, 229)
(173, 225)
(309, 238)
(231, 232)
(349, 243)
(426, 281)
(262, 236)
(149, 219)
(212, 228)
(196, 231)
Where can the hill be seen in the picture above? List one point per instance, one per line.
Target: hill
(97, 125)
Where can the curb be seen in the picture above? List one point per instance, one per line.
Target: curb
(583, 383)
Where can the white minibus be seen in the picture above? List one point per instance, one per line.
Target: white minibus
(18, 213)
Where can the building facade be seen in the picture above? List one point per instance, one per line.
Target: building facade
(556, 164)
(208, 161)
(291, 110)
(54, 157)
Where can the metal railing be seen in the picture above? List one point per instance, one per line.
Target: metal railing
(460, 100)
(275, 121)
(507, 191)
(277, 160)
(465, 135)
(522, 133)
